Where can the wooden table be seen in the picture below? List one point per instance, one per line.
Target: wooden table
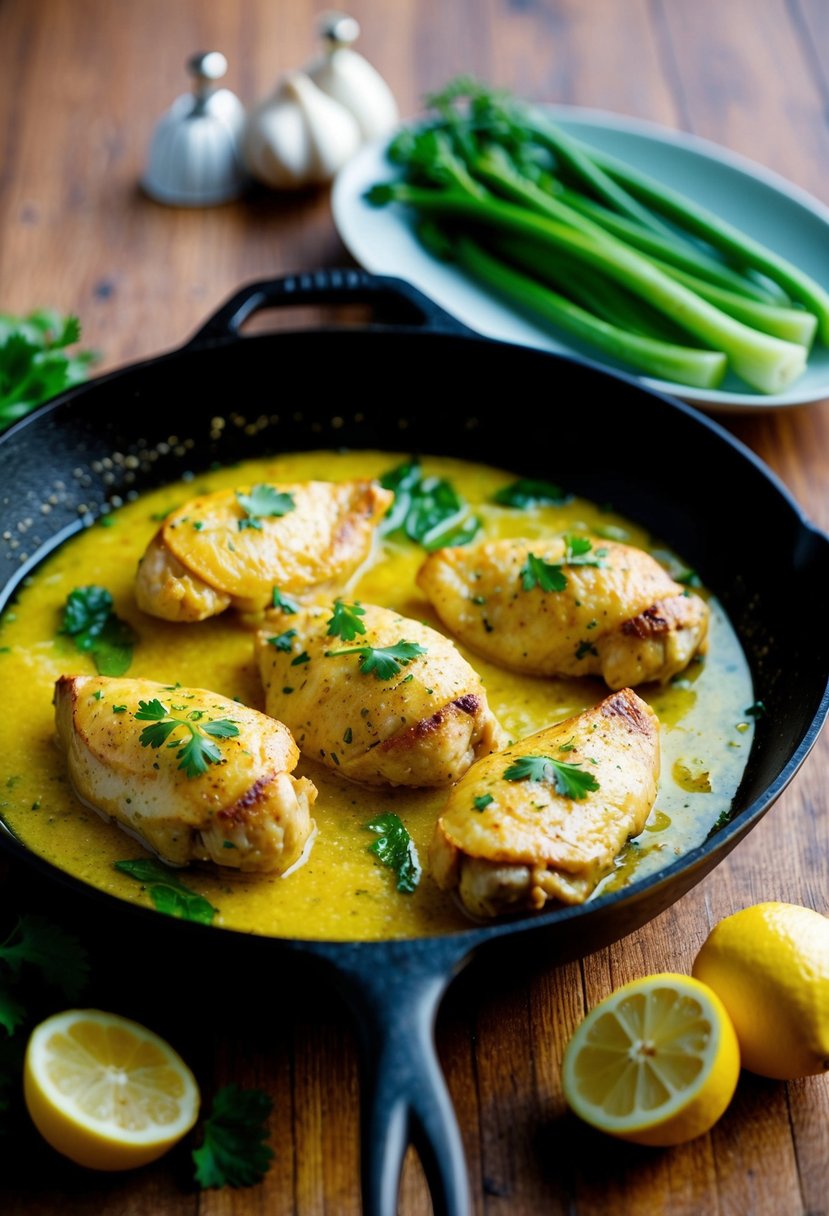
(82, 83)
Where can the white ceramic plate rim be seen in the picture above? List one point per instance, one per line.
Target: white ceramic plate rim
(347, 204)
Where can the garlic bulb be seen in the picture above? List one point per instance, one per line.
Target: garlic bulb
(350, 79)
(299, 136)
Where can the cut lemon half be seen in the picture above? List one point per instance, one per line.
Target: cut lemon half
(105, 1091)
(656, 1062)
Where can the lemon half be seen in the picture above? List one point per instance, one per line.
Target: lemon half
(770, 966)
(105, 1091)
(656, 1062)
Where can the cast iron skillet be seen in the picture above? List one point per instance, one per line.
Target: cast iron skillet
(416, 380)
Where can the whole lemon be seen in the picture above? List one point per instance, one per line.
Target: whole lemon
(769, 965)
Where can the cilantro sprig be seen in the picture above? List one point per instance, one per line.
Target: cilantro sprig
(234, 1150)
(570, 780)
(88, 618)
(262, 503)
(428, 510)
(550, 576)
(345, 622)
(383, 662)
(194, 754)
(396, 849)
(167, 892)
(34, 365)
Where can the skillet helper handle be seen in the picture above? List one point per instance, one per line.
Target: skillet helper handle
(404, 1099)
(394, 301)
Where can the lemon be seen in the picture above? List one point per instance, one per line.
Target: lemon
(656, 1062)
(106, 1092)
(769, 964)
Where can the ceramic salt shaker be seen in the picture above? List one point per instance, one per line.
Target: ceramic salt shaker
(194, 156)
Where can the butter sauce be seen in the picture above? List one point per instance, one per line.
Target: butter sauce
(342, 892)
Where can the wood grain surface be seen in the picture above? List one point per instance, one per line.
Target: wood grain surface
(81, 83)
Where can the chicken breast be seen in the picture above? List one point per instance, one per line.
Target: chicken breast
(230, 798)
(567, 606)
(421, 724)
(232, 547)
(546, 818)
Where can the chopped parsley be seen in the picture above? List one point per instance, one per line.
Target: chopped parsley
(482, 801)
(195, 754)
(345, 621)
(285, 603)
(550, 576)
(688, 578)
(567, 779)
(756, 710)
(167, 893)
(300, 659)
(396, 849)
(234, 1149)
(283, 640)
(427, 510)
(537, 573)
(89, 620)
(383, 662)
(585, 648)
(527, 492)
(262, 503)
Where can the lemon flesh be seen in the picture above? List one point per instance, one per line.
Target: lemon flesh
(656, 1062)
(769, 964)
(105, 1091)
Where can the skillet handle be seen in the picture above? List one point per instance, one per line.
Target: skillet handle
(395, 302)
(404, 1098)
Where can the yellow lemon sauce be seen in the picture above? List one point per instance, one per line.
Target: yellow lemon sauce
(342, 892)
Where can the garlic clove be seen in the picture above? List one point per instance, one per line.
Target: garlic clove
(299, 136)
(350, 79)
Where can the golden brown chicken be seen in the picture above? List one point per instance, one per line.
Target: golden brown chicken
(195, 776)
(567, 606)
(376, 696)
(546, 818)
(233, 547)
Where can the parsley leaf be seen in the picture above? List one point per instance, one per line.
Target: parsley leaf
(283, 640)
(383, 662)
(33, 363)
(54, 955)
(285, 603)
(568, 779)
(428, 510)
(345, 621)
(263, 502)
(537, 573)
(550, 576)
(167, 893)
(482, 801)
(529, 493)
(396, 849)
(89, 620)
(194, 754)
(234, 1151)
